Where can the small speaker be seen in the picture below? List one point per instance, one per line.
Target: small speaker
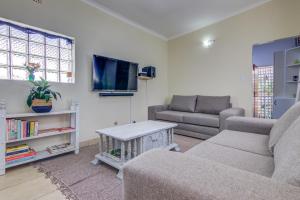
(149, 71)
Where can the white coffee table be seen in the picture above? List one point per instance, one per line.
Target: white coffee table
(120, 144)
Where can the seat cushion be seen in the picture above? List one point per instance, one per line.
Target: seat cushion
(183, 103)
(169, 115)
(201, 119)
(287, 156)
(282, 124)
(250, 142)
(211, 131)
(212, 104)
(255, 163)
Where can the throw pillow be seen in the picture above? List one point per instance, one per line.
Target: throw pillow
(212, 104)
(183, 103)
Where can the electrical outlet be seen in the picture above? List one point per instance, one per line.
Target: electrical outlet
(38, 1)
(115, 123)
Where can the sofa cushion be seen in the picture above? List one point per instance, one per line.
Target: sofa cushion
(250, 142)
(201, 119)
(282, 124)
(212, 104)
(287, 156)
(259, 164)
(169, 115)
(183, 103)
(211, 131)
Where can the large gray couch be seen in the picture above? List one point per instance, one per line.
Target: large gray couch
(252, 159)
(197, 116)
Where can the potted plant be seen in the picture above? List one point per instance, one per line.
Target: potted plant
(40, 97)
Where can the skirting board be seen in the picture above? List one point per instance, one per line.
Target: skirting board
(89, 142)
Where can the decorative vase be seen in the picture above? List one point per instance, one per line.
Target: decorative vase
(31, 77)
(41, 106)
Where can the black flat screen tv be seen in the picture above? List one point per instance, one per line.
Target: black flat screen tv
(113, 75)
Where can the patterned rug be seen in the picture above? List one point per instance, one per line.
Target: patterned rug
(78, 179)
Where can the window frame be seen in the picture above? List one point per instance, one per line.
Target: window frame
(10, 66)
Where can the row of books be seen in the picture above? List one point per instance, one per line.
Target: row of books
(19, 153)
(19, 129)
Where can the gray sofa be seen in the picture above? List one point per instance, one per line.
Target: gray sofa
(197, 116)
(252, 159)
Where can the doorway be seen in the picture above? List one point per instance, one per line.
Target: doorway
(276, 70)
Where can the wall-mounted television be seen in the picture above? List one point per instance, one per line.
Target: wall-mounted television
(113, 75)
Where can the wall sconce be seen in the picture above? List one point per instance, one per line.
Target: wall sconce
(38, 1)
(208, 43)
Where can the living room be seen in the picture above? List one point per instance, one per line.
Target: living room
(189, 58)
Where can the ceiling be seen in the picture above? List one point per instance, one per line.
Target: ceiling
(169, 19)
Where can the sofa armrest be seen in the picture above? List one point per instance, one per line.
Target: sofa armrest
(250, 124)
(152, 110)
(160, 174)
(228, 113)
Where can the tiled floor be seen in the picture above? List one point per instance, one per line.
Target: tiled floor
(27, 183)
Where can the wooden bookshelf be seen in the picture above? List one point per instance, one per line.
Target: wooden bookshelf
(73, 131)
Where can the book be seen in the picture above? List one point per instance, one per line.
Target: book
(17, 152)
(18, 129)
(59, 148)
(20, 160)
(16, 148)
(36, 128)
(27, 130)
(24, 124)
(32, 128)
(21, 155)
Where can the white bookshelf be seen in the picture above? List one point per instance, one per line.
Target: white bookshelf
(291, 88)
(72, 132)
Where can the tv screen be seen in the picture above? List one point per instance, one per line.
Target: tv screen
(114, 75)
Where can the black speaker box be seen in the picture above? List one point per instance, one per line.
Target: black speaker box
(149, 71)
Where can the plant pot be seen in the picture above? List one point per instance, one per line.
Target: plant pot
(41, 106)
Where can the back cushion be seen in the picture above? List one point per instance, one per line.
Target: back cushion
(212, 104)
(282, 124)
(183, 103)
(287, 156)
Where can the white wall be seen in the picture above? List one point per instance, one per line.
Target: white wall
(95, 33)
(226, 67)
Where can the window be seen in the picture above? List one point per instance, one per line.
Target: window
(21, 44)
(263, 91)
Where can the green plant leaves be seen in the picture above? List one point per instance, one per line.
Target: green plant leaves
(29, 100)
(41, 90)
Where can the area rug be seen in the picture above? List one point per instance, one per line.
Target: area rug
(78, 179)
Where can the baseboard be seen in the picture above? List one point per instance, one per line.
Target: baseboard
(90, 142)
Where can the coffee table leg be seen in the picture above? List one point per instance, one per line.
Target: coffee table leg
(120, 174)
(113, 144)
(96, 161)
(135, 153)
(172, 146)
(102, 144)
(123, 151)
(107, 144)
